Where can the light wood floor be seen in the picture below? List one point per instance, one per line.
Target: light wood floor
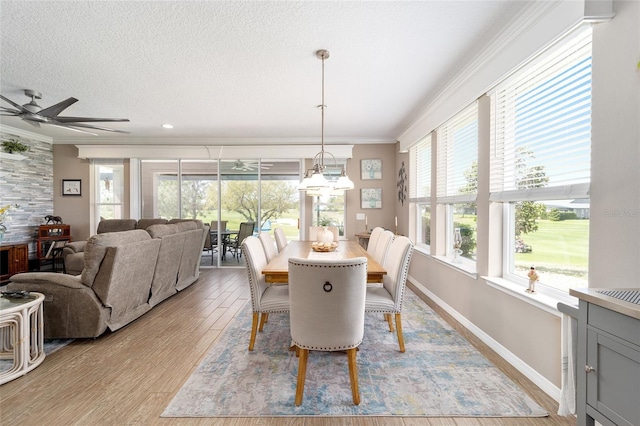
(130, 376)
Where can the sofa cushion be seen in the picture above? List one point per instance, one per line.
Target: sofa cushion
(169, 260)
(159, 230)
(96, 248)
(145, 223)
(116, 225)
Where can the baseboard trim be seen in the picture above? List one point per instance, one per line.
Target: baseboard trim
(530, 373)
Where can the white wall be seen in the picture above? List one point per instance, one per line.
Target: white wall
(614, 244)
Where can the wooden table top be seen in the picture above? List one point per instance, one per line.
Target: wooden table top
(277, 271)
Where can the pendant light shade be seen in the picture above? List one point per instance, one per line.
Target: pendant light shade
(344, 182)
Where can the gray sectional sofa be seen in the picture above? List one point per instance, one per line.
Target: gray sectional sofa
(125, 275)
(72, 255)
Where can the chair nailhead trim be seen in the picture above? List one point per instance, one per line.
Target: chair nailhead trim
(324, 348)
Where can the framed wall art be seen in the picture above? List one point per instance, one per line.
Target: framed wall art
(72, 187)
(371, 198)
(370, 169)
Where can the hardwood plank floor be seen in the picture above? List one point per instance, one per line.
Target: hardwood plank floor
(130, 376)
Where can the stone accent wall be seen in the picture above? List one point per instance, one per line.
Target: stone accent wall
(29, 183)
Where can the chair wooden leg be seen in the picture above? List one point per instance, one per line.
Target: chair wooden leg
(353, 375)
(390, 321)
(263, 320)
(302, 374)
(400, 336)
(254, 329)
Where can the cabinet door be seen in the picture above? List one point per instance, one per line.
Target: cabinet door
(613, 387)
(20, 261)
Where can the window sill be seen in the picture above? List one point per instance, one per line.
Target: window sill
(466, 268)
(538, 299)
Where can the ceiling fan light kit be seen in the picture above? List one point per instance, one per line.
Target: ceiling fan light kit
(35, 115)
(315, 182)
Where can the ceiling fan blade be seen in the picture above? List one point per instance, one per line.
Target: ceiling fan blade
(87, 126)
(18, 106)
(54, 110)
(89, 119)
(74, 130)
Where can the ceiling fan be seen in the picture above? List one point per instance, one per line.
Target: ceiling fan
(248, 165)
(35, 115)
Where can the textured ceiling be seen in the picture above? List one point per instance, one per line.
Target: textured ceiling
(240, 70)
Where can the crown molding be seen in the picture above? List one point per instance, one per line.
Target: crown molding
(25, 134)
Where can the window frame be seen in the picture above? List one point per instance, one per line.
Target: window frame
(557, 190)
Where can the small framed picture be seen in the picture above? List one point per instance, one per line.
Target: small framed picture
(370, 169)
(71, 187)
(371, 198)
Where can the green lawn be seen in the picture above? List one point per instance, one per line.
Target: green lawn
(563, 243)
(289, 222)
(559, 246)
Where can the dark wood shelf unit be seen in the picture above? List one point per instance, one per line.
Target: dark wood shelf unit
(14, 258)
(51, 237)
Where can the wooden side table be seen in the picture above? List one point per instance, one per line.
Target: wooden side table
(363, 239)
(21, 335)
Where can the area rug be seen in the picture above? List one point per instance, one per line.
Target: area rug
(50, 346)
(440, 374)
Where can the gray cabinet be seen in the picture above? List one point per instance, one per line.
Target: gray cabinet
(608, 361)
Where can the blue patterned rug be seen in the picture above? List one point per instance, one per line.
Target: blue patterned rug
(440, 374)
(50, 346)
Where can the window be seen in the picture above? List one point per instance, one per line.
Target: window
(457, 181)
(420, 188)
(109, 189)
(328, 206)
(159, 189)
(540, 164)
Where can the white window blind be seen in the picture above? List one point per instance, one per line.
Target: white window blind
(458, 157)
(541, 126)
(420, 157)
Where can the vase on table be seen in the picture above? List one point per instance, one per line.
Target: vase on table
(3, 229)
(325, 236)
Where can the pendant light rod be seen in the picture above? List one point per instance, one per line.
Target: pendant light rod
(322, 54)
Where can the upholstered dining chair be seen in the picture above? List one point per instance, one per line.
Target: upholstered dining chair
(387, 299)
(264, 299)
(327, 312)
(269, 245)
(315, 230)
(382, 246)
(373, 239)
(281, 239)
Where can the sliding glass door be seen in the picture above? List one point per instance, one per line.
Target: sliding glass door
(233, 191)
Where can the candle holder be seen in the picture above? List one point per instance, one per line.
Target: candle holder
(457, 244)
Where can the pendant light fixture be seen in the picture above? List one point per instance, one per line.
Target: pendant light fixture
(314, 180)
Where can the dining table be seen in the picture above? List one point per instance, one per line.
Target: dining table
(277, 271)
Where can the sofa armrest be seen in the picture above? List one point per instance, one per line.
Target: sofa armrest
(71, 309)
(73, 247)
(48, 278)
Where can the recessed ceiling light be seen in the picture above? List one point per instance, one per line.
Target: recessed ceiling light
(167, 126)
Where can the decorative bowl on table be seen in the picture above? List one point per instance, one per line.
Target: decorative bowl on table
(324, 247)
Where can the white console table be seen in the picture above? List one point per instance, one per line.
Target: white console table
(21, 335)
